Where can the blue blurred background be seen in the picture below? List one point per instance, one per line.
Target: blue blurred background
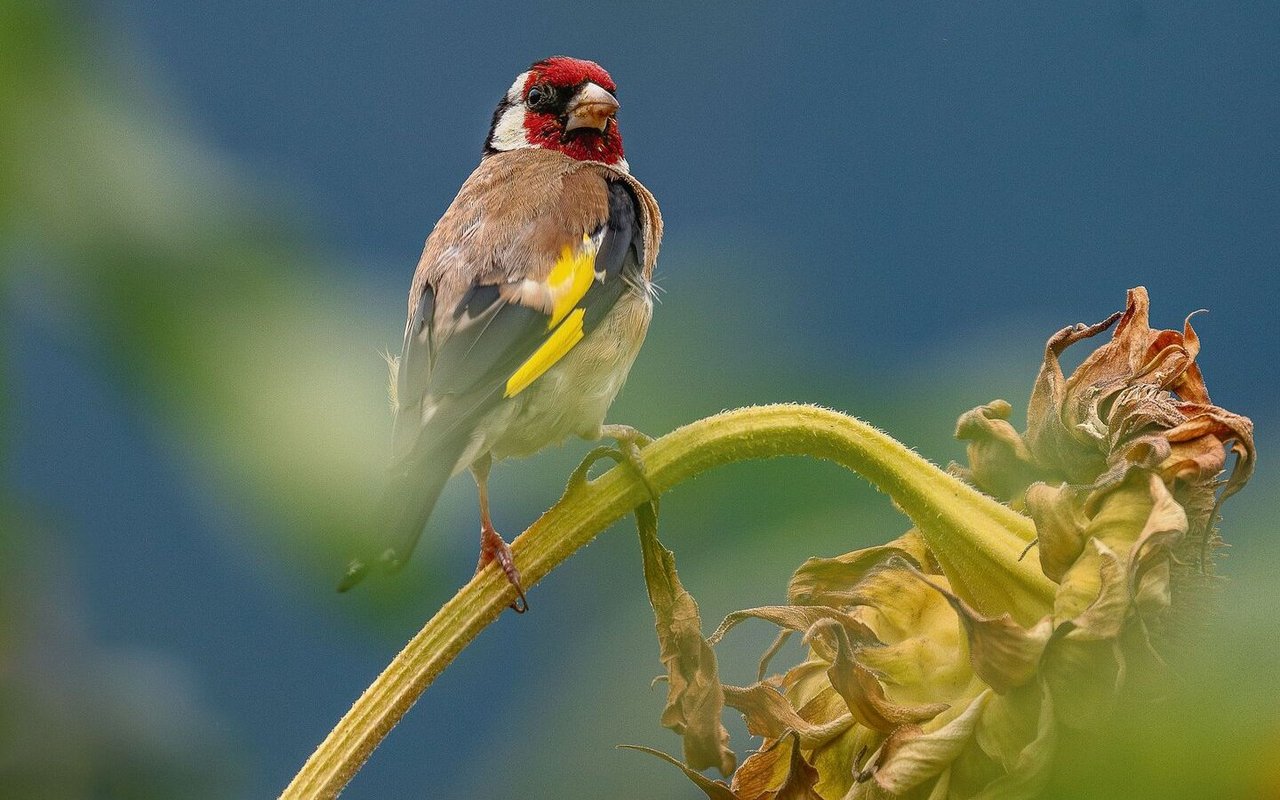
(210, 214)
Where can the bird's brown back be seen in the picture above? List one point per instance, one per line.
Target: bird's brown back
(513, 217)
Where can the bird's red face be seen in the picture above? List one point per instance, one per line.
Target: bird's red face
(562, 104)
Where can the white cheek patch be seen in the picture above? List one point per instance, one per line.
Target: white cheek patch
(509, 133)
(516, 93)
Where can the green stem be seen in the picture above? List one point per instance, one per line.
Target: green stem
(976, 540)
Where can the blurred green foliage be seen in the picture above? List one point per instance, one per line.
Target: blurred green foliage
(222, 319)
(223, 326)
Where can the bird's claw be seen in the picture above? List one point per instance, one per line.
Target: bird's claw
(494, 548)
(580, 473)
(629, 442)
(625, 434)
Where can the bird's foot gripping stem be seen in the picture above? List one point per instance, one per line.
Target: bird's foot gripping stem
(629, 442)
(494, 548)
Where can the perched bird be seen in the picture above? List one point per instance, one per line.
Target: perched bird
(528, 306)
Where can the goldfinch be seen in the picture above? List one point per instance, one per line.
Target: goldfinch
(528, 306)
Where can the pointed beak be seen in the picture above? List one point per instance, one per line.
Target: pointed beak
(591, 107)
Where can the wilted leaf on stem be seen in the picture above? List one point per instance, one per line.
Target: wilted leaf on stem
(695, 698)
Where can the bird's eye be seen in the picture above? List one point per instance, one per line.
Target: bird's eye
(540, 95)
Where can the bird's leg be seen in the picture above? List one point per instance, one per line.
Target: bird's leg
(492, 546)
(629, 442)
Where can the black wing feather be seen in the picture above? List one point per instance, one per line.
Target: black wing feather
(620, 256)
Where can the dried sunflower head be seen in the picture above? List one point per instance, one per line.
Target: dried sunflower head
(906, 690)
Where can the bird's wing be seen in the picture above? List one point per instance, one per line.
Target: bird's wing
(513, 322)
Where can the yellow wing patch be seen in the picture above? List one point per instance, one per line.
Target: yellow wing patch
(570, 278)
(561, 341)
(567, 284)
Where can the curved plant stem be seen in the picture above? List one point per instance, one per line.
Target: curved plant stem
(976, 540)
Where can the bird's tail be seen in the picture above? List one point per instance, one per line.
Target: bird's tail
(413, 488)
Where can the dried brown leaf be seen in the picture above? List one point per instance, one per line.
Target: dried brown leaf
(695, 699)
(763, 772)
(801, 777)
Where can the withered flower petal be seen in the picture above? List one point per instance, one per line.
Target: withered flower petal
(865, 695)
(1070, 420)
(1154, 550)
(1027, 776)
(1199, 441)
(769, 714)
(1053, 435)
(1007, 725)
(927, 755)
(1106, 616)
(779, 772)
(1060, 524)
(1000, 463)
(1003, 653)
(826, 581)
(795, 618)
